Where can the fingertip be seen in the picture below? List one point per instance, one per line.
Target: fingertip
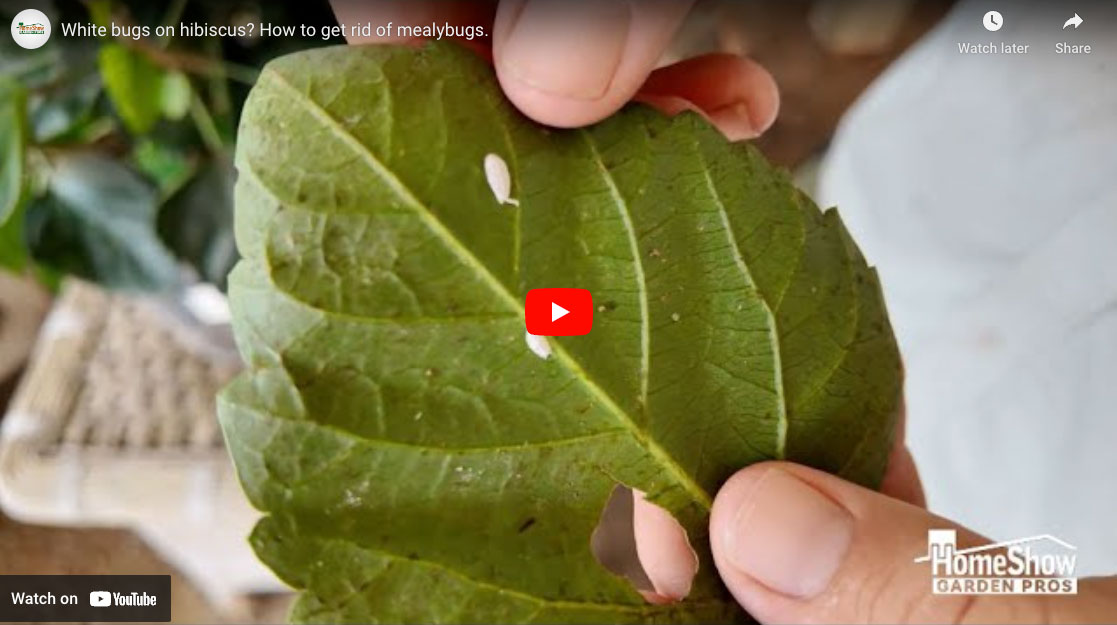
(734, 493)
(797, 545)
(569, 64)
(734, 93)
(664, 550)
(552, 110)
(774, 535)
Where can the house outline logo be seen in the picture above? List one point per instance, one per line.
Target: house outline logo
(30, 28)
(1011, 567)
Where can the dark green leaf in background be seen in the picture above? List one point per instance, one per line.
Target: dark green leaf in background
(13, 141)
(416, 462)
(97, 221)
(61, 113)
(196, 222)
(31, 68)
(153, 119)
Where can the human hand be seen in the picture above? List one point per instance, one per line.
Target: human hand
(796, 545)
(576, 62)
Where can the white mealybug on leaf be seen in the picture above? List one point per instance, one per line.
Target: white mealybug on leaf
(500, 181)
(538, 345)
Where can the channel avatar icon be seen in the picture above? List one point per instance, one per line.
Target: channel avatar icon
(559, 312)
(30, 28)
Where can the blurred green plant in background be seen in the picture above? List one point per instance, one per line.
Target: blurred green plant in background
(115, 153)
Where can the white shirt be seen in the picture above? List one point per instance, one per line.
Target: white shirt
(984, 189)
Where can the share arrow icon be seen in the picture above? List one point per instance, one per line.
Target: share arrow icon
(1075, 21)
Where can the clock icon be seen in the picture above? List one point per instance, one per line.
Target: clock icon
(993, 21)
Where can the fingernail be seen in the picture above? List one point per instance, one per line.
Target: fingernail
(734, 121)
(788, 536)
(568, 49)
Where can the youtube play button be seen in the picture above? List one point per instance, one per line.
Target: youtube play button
(559, 312)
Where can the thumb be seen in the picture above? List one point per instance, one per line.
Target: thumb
(576, 62)
(795, 545)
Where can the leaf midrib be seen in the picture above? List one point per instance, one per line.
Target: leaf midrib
(697, 493)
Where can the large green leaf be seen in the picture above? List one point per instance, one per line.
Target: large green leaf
(415, 460)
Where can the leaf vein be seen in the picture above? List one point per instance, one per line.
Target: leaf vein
(637, 263)
(699, 494)
(773, 331)
(352, 437)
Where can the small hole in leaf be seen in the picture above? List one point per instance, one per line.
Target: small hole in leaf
(652, 551)
(614, 543)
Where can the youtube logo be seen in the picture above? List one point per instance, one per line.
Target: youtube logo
(559, 312)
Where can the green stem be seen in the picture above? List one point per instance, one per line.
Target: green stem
(203, 121)
(218, 85)
(174, 12)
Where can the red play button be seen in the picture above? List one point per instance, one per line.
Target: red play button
(559, 312)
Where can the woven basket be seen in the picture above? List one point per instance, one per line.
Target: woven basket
(114, 423)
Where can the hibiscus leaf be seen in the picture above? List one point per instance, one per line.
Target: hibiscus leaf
(416, 461)
(13, 144)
